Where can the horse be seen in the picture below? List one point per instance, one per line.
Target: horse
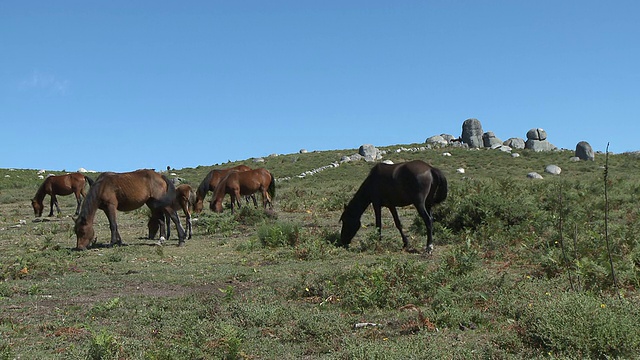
(125, 192)
(410, 183)
(239, 183)
(211, 181)
(60, 185)
(185, 198)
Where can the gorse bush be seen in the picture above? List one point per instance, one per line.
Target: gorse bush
(279, 234)
(582, 325)
(387, 283)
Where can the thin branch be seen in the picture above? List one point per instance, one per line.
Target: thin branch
(564, 254)
(606, 221)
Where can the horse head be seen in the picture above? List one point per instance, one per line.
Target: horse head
(37, 207)
(197, 206)
(350, 226)
(216, 205)
(84, 233)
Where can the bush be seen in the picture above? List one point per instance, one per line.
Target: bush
(584, 325)
(279, 234)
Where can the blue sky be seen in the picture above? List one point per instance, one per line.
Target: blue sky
(122, 85)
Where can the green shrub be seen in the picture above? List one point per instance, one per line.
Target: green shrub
(580, 324)
(279, 234)
(103, 346)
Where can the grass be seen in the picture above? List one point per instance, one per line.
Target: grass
(505, 280)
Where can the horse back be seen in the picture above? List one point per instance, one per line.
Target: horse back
(129, 191)
(61, 184)
(400, 184)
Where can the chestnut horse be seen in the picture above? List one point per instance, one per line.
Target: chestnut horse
(125, 192)
(60, 185)
(411, 183)
(211, 181)
(239, 183)
(185, 198)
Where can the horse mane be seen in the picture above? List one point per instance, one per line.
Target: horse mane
(203, 188)
(90, 202)
(360, 200)
(89, 180)
(41, 193)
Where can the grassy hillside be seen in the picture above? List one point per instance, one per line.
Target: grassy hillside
(521, 269)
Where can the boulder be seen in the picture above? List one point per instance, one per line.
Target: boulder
(437, 141)
(448, 137)
(514, 143)
(489, 139)
(536, 134)
(584, 151)
(534, 175)
(539, 145)
(553, 169)
(369, 152)
(472, 133)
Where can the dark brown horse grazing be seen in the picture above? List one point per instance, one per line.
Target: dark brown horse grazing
(60, 185)
(411, 183)
(185, 198)
(125, 192)
(239, 183)
(211, 181)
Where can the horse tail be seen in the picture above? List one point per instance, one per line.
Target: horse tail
(440, 181)
(272, 186)
(89, 180)
(192, 197)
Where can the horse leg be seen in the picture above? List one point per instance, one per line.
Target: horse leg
(235, 195)
(53, 202)
(79, 201)
(255, 202)
(396, 220)
(425, 213)
(187, 214)
(176, 220)
(377, 210)
(266, 199)
(113, 225)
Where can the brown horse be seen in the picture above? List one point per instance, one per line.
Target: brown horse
(125, 192)
(60, 185)
(210, 182)
(411, 183)
(239, 183)
(185, 198)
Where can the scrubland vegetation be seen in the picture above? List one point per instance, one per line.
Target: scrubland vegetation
(521, 269)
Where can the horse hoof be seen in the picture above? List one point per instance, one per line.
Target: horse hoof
(429, 249)
(181, 244)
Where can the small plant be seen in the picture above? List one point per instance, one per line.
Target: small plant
(103, 347)
(103, 309)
